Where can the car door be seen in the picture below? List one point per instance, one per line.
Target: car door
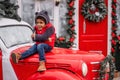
(92, 35)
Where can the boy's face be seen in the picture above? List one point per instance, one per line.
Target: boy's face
(40, 23)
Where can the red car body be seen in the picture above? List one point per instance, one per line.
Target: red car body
(62, 64)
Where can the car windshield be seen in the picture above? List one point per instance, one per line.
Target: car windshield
(15, 35)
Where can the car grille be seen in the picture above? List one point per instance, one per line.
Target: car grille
(95, 70)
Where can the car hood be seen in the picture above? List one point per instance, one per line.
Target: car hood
(62, 58)
(62, 55)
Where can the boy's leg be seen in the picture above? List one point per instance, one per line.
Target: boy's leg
(42, 48)
(30, 51)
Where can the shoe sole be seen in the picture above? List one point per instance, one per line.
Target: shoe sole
(41, 70)
(14, 58)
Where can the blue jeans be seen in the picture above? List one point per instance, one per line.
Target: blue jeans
(40, 48)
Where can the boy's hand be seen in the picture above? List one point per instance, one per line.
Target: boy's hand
(33, 35)
(49, 39)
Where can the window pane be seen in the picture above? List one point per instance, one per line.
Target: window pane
(28, 11)
(15, 35)
(63, 23)
(48, 5)
(118, 16)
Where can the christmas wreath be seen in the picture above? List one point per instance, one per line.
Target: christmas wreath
(94, 10)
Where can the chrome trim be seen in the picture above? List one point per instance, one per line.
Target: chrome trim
(95, 70)
(94, 51)
(94, 62)
(95, 78)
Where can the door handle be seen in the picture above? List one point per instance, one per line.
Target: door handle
(84, 26)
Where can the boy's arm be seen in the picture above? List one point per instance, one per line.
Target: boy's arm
(45, 36)
(33, 34)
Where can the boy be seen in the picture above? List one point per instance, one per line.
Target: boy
(44, 36)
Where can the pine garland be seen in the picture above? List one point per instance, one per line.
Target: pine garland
(107, 61)
(62, 41)
(117, 56)
(115, 42)
(114, 28)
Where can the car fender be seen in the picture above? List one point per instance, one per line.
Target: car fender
(55, 74)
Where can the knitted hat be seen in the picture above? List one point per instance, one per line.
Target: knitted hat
(44, 15)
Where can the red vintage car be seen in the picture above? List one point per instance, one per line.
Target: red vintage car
(62, 64)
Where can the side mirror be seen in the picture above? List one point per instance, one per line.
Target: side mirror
(0, 50)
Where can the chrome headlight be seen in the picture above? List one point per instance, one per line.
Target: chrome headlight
(84, 69)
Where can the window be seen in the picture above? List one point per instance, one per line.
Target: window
(48, 5)
(15, 35)
(28, 11)
(118, 17)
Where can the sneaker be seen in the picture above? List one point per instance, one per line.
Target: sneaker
(15, 57)
(42, 66)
